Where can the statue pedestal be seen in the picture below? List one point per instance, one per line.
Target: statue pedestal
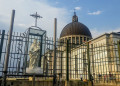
(36, 70)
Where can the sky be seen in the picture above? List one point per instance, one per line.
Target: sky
(100, 16)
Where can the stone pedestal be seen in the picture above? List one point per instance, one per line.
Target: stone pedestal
(36, 70)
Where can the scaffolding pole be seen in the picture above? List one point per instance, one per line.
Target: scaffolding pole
(54, 66)
(8, 48)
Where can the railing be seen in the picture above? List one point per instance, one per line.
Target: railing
(71, 62)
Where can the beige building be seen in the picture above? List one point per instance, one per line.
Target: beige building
(103, 52)
(104, 58)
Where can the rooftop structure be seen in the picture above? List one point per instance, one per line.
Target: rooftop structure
(75, 31)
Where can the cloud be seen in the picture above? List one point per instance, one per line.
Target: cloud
(57, 2)
(77, 8)
(76, 0)
(26, 7)
(116, 30)
(95, 13)
(97, 32)
(22, 25)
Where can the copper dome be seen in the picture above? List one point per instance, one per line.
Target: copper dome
(75, 28)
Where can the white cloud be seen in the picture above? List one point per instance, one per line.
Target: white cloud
(26, 7)
(77, 8)
(116, 30)
(57, 2)
(76, 0)
(95, 13)
(22, 25)
(97, 32)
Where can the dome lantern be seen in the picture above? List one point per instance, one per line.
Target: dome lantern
(74, 18)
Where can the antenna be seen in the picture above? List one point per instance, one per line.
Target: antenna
(36, 16)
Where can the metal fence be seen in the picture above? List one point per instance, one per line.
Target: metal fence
(18, 52)
(105, 62)
(16, 56)
(97, 61)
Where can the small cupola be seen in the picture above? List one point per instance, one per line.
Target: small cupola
(74, 18)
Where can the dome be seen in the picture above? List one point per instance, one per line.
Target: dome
(75, 28)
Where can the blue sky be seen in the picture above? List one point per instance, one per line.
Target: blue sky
(100, 16)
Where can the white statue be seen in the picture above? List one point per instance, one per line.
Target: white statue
(34, 54)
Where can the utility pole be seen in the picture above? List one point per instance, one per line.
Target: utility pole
(8, 48)
(36, 16)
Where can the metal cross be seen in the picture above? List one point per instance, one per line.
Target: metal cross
(36, 16)
(74, 12)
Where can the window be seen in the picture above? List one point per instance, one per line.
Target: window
(77, 40)
(87, 39)
(84, 39)
(73, 39)
(80, 40)
(69, 39)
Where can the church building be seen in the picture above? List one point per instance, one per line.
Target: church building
(98, 58)
(75, 32)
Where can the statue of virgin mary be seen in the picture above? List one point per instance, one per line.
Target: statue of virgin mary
(34, 54)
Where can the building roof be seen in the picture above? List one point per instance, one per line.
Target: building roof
(75, 28)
